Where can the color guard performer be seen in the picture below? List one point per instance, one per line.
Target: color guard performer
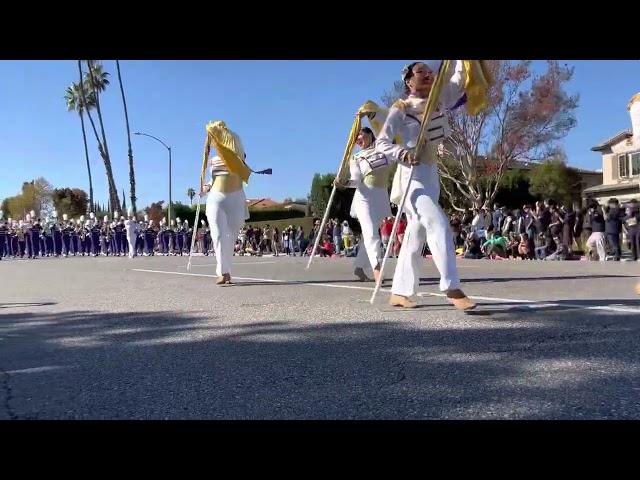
(424, 214)
(369, 174)
(226, 202)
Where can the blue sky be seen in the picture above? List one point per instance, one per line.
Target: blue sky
(293, 116)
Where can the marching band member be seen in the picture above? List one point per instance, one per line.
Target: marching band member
(424, 214)
(171, 238)
(105, 236)
(131, 231)
(369, 172)
(180, 233)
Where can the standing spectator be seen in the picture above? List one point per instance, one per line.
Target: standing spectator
(632, 224)
(519, 226)
(614, 217)
(467, 217)
(597, 237)
(268, 239)
(488, 218)
(291, 232)
(530, 229)
(507, 225)
(300, 240)
(276, 241)
(337, 236)
(497, 217)
(456, 229)
(579, 225)
(587, 227)
(478, 225)
(347, 235)
(568, 227)
(557, 221)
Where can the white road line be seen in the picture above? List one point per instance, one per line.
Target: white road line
(533, 304)
(269, 280)
(37, 369)
(537, 305)
(235, 264)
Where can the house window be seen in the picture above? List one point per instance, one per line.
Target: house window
(635, 163)
(622, 166)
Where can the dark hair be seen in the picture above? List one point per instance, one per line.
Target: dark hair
(408, 75)
(367, 130)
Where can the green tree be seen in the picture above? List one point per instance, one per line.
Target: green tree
(34, 195)
(72, 201)
(73, 98)
(321, 187)
(553, 179)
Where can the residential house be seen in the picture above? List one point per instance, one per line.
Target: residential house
(620, 162)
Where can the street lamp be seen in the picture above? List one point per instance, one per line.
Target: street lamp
(169, 149)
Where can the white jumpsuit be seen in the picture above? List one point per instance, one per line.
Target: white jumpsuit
(370, 206)
(226, 213)
(424, 214)
(130, 228)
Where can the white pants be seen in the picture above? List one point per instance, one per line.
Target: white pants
(226, 215)
(597, 239)
(131, 238)
(424, 215)
(370, 206)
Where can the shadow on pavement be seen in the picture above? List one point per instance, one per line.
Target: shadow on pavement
(183, 365)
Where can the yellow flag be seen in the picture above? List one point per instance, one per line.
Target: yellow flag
(476, 85)
(229, 149)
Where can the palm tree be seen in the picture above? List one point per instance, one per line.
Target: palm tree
(191, 193)
(132, 176)
(73, 97)
(97, 80)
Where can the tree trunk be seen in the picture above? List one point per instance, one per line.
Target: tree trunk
(132, 176)
(86, 154)
(113, 192)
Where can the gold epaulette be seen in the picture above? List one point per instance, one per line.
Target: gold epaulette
(400, 104)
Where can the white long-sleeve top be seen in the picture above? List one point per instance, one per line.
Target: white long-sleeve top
(403, 122)
(369, 167)
(400, 121)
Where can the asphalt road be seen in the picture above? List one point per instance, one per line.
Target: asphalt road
(113, 338)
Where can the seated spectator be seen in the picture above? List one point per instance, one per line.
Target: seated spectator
(512, 245)
(326, 247)
(524, 250)
(560, 252)
(472, 247)
(495, 246)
